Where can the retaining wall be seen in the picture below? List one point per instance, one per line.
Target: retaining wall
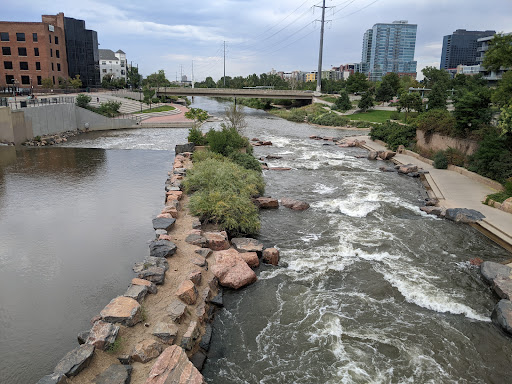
(439, 142)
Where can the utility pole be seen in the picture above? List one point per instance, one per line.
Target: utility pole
(319, 73)
(224, 64)
(181, 74)
(192, 73)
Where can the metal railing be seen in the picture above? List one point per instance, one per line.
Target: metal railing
(25, 102)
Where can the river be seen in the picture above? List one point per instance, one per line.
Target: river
(374, 290)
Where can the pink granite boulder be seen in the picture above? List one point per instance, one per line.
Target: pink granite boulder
(231, 270)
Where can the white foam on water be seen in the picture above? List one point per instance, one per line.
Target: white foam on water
(351, 206)
(310, 237)
(418, 291)
(324, 189)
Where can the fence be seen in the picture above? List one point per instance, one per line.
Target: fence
(22, 102)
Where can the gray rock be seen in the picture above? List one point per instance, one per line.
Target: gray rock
(491, 271)
(163, 223)
(177, 310)
(413, 174)
(169, 188)
(503, 287)
(218, 300)
(246, 244)
(75, 361)
(150, 261)
(438, 211)
(502, 315)
(179, 171)
(463, 215)
(136, 292)
(199, 261)
(54, 378)
(162, 248)
(408, 168)
(153, 274)
(190, 336)
(82, 337)
(431, 202)
(180, 148)
(102, 335)
(115, 374)
(204, 252)
(198, 360)
(159, 232)
(196, 239)
(166, 332)
(387, 169)
(372, 155)
(125, 359)
(196, 224)
(207, 338)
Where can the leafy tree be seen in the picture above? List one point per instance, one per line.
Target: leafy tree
(357, 82)
(505, 120)
(433, 75)
(366, 102)
(76, 82)
(47, 83)
(197, 114)
(63, 83)
(437, 97)
(472, 110)
(343, 102)
(156, 80)
(106, 82)
(407, 82)
(436, 121)
(385, 92)
(503, 93)
(499, 53)
(110, 108)
(235, 117)
(408, 102)
(134, 78)
(210, 83)
(393, 80)
(148, 94)
(82, 100)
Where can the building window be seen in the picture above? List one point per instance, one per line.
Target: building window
(51, 52)
(34, 37)
(6, 51)
(36, 51)
(25, 80)
(24, 65)
(104, 70)
(9, 79)
(52, 67)
(56, 39)
(122, 71)
(104, 62)
(20, 36)
(53, 79)
(57, 53)
(58, 67)
(22, 51)
(4, 36)
(39, 80)
(38, 66)
(7, 64)
(50, 37)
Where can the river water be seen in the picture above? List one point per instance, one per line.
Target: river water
(374, 290)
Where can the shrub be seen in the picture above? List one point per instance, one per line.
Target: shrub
(199, 156)
(343, 103)
(109, 108)
(493, 159)
(226, 141)
(394, 134)
(436, 121)
(195, 135)
(440, 160)
(82, 100)
(395, 115)
(330, 119)
(245, 160)
(455, 157)
(297, 115)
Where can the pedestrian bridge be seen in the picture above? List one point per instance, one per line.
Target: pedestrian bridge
(226, 92)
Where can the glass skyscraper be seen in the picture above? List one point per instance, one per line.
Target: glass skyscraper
(460, 48)
(389, 48)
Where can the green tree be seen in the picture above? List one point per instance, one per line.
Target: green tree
(197, 114)
(106, 82)
(393, 80)
(433, 75)
(210, 83)
(366, 102)
(505, 120)
(76, 82)
(409, 102)
(499, 53)
(110, 108)
(47, 83)
(134, 78)
(437, 97)
(385, 92)
(357, 82)
(156, 80)
(82, 100)
(472, 110)
(343, 102)
(503, 93)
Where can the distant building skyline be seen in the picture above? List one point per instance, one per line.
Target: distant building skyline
(460, 48)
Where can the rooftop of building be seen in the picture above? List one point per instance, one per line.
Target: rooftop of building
(107, 54)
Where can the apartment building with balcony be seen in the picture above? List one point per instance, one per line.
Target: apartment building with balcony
(113, 64)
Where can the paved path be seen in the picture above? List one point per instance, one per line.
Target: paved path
(458, 191)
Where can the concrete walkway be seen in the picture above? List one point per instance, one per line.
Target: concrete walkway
(455, 190)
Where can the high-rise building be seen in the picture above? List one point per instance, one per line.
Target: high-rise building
(32, 51)
(460, 48)
(82, 50)
(389, 47)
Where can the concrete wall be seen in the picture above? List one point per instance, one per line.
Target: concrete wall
(100, 123)
(6, 132)
(13, 127)
(438, 142)
(51, 119)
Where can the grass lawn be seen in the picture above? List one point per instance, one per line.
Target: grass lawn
(159, 109)
(330, 99)
(373, 116)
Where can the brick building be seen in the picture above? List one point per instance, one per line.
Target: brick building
(32, 51)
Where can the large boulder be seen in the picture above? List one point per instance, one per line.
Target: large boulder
(187, 292)
(386, 155)
(146, 350)
(102, 335)
(296, 205)
(491, 270)
(173, 366)
(502, 315)
(165, 332)
(150, 261)
(196, 239)
(115, 374)
(266, 202)
(231, 270)
(190, 336)
(438, 211)
(463, 215)
(372, 155)
(148, 284)
(271, 256)
(503, 287)
(124, 310)
(251, 258)
(408, 168)
(507, 205)
(177, 310)
(246, 244)
(75, 361)
(217, 241)
(54, 378)
(154, 274)
(137, 292)
(163, 223)
(162, 248)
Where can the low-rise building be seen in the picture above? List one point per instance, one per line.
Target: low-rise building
(490, 76)
(112, 64)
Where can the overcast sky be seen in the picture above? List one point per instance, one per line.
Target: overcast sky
(260, 34)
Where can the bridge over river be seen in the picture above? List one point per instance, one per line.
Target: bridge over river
(246, 93)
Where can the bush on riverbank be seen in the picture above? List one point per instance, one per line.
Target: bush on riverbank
(493, 159)
(223, 192)
(227, 141)
(299, 115)
(394, 134)
(330, 119)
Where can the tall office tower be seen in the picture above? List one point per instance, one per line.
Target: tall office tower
(460, 48)
(389, 48)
